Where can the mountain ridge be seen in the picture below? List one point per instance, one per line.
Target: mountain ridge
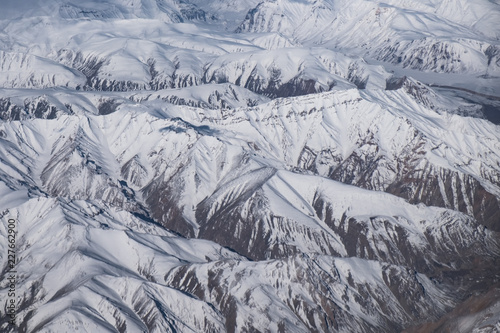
(275, 166)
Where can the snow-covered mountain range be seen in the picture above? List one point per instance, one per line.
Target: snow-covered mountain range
(250, 166)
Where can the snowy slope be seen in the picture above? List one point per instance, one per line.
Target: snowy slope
(271, 166)
(149, 54)
(102, 271)
(432, 36)
(200, 172)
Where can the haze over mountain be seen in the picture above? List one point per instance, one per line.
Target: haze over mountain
(251, 166)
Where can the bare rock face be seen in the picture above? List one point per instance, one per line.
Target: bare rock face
(333, 285)
(479, 313)
(39, 107)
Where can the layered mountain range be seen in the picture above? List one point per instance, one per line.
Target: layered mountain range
(257, 166)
